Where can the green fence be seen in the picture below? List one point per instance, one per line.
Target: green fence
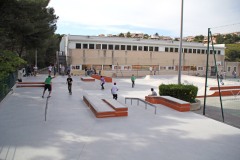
(6, 84)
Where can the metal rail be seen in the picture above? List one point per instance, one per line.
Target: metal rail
(145, 102)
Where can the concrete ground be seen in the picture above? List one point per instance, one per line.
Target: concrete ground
(71, 131)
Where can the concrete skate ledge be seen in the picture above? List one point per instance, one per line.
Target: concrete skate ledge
(87, 79)
(225, 87)
(116, 105)
(107, 79)
(30, 84)
(225, 91)
(174, 103)
(105, 108)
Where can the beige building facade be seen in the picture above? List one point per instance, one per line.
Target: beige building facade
(116, 56)
(231, 67)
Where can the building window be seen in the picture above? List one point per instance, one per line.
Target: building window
(185, 50)
(104, 46)
(156, 49)
(203, 51)
(200, 68)
(229, 69)
(190, 50)
(171, 49)
(166, 49)
(145, 48)
(219, 52)
(78, 45)
(235, 69)
(176, 49)
(85, 46)
(170, 68)
(98, 46)
(140, 48)
(134, 48)
(211, 51)
(116, 47)
(110, 47)
(198, 51)
(129, 48)
(162, 68)
(215, 52)
(194, 50)
(91, 46)
(122, 47)
(151, 48)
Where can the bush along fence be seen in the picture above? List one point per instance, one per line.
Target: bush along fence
(6, 83)
(184, 92)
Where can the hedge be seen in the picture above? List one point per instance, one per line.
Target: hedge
(184, 92)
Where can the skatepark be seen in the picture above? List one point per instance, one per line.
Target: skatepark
(64, 128)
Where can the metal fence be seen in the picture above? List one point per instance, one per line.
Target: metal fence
(6, 84)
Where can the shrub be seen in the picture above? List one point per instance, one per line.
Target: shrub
(184, 92)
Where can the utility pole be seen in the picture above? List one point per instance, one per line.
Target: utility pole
(36, 58)
(180, 47)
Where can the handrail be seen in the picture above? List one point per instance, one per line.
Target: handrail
(139, 99)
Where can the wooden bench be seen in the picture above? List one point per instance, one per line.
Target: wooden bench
(87, 79)
(174, 103)
(105, 107)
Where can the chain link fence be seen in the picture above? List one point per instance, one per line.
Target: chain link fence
(6, 84)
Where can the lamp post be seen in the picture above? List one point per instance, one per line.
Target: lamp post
(36, 58)
(180, 47)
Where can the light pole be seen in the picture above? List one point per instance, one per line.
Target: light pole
(36, 58)
(180, 47)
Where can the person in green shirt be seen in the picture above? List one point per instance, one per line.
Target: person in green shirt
(47, 86)
(133, 78)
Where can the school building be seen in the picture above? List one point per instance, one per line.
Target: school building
(118, 56)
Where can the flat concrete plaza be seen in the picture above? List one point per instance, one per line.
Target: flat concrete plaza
(72, 132)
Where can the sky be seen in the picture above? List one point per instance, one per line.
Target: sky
(94, 17)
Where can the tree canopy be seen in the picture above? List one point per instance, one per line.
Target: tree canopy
(232, 52)
(121, 35)
(25, 24)
(199, 38)
(128, 35)
(227, 39)
(9, 62)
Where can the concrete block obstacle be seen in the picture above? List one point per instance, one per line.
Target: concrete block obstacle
(103, 108)
(174, 103)
(87, 79)
(30, 84)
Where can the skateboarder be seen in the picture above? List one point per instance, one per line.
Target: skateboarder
(69, 82)
(133, 78)
(47, 86)
(102, 82)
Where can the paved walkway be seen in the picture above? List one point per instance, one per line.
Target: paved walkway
(71, 132)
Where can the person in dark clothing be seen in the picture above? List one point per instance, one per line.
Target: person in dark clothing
(69, 82)
(102, 81)
(54, 70)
